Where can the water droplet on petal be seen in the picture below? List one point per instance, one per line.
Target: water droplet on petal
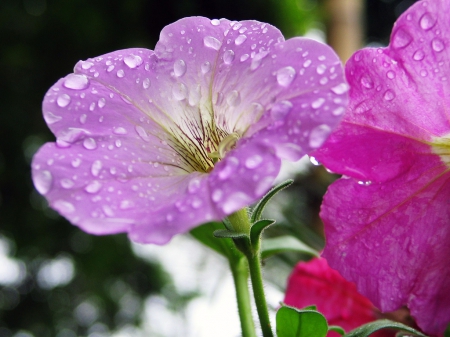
(365, 183)
(101, 102)
(253, 161)
(50, 118)
(321, 69)
(96, 167)
(86, 65)
(280, 110)
(230, 165)
(244, 57)
(423, 73)
(63, 100)
(67, 183)
(257, 59)
(340, 89)
(367, 82)
(206, 67)
(285, 76)
(215, 22)
(314, 161)
(120, 73)
(76, 162)
(235, 201)
(179, 68)
(240, 40)
(93, 187)
(217, 195)
(179, 91)
(142, 133)
(90, 143)
(437, 45)
(427, 21)
(307, 63)
(390, 74)
(63, 207)
(194, 185)
(43, 181)
(228, 56)
(132, 61)
(401, 39)
(318, 135)
(389, 95)
(218, 98)
(234, 99)
(317, 103)
(419, 55)
(76, 82)
(120, 131)
(338, 111)
(212, 42)
(126, 204)
(263, 185)
(146, 83)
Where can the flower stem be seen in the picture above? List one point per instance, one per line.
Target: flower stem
(239, 269)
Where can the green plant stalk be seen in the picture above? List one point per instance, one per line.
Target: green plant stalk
(239, 269)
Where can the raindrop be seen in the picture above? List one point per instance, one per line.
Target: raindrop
(96, 167)
(419, 55)
(427, 21)
(93, 187)
(228, 56)
(146, 83)
(257, 59)
(63, 100)
(230, 165)
(307, 63)
(50, 118)
(196, 203)
(86, 65)
(76, 82)
(108, 211)
(285, 76)
(340, 89)
(217, 195)
(179, 91)
(67, 183)
(244, 57)
(253, 161)
(234, 99)
(401, 39)
(218, 98)
(206, 67)
(142, 133)
(365, 183)
(126, 204)
(76, 162)
(212, 42)
(314, 161)
(235, 201)
(240, 40)
(195, 96)
(323, 80)
(321, 69)
(132, 61)
(120, 131)
(389, 95)
(92, 106)
(43, 181)
(90, 143)
(318, 135)
(118, 143)
(280, 110)
(338, 111)
(193, 185)
(179, 68)
(366, 82)
(317, 103)
(120, 73)
(101, 102)
(437, 45)
(63, 207)
(215, 22)
(110, 68)
(390, 74)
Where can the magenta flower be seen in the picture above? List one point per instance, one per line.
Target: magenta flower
(387, 221)
(154, 143)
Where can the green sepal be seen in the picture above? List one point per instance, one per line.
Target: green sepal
(447, 331)
(272, 246)
(257, 228)
(258, 209)
(337, 329)
(225, 247)
(225, 233)
(292, 322)
(369, 328)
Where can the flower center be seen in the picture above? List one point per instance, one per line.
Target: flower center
(441, 146)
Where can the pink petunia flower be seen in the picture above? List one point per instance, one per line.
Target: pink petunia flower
(387, 221)
(315, 283)
(154, 143)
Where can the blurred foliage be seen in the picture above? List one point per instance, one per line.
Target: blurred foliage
(41, 40)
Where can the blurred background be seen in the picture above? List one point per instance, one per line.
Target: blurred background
(58, 281)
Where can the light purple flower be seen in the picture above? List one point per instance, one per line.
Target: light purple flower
(154, 143)
(388, 222)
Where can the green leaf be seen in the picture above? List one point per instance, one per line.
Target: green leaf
(258, 209)
(225, 233)
(368, 329)
(337, 329)
(272, 246)
(225, 247)
(300, 323)
(257, 228)
(447, 331)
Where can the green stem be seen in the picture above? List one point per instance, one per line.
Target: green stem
(239, 269)
(254, 263)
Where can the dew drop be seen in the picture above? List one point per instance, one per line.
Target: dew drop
(63, 100)
(146, 83)
(427, 21)
(257, 59)
(90, 143)
(340, 89)
(101, 102)
(280, 110)
(253, 161)
(215, 22)
(323, 80)
(365, 183)
(76, 162)
(218, 98)
(196, 203)
(86, 65)
(76, 82)
(118, 143)
(142, 133)
(338, 111)
(390, 74)
(217, 195)
(120, 73)
(285, 76)
(195, 95)
(321, 69)
(314, 161)
(179, 68)
(63, 207)
(96, 167)
(126, 204)
(67, 183)
(423, 73)
(132, 61)
(230, 166)
(389, 95)
(93, 187)
(401, 39)
(50, 118)
(228, 56)
(110, 68)
(240, 40)
(92, 106)
(194, 185)
(318, 135)
(119, 131)
(244, 57)
(307, 63)
(235, 201)
(419, 55)
(212, 42)
(317, 103)
(366, 82)
(206, 67)
(234, 99)
(179, 91)
(43, 181)
(437, 45)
